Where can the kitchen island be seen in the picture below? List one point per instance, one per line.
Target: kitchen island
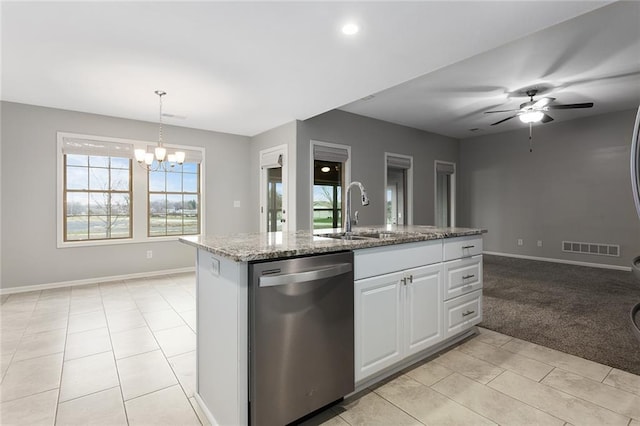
(416, 290)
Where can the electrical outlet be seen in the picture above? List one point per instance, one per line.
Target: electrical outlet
(149, 254)
(539, 243)
(520, 242)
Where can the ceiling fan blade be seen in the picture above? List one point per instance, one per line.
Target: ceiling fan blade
(540, 103)
(571, 106)
(505, 119)
(546, 118)
(503, 110)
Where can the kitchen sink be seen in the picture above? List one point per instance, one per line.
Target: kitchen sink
(360, 235)
(376, 234)
(343, 236)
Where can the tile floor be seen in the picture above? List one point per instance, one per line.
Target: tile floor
(124, 353)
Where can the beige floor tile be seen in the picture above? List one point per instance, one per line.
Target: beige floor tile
(160, 320)
(567, 362)
(634, 422)
(52, 305)
(427, 405)
(88, 290)
(5, 361)
(144, 373)
(184, 367)
(38, 344)
(100, 408)
(11, 323)
(201, 416)
(34, 410)
(9, 341)
(88, 321)
(55, 293)
(3, 298)
(473, 368)
(492, 404)
(18, 306)
(87, 375)
(119, 304)
(165, 407)
(113, 287)
(47, 322)
(87, 343)
(429, 373)
(492, 337)
(603, 395)
(372, 409)
(133, 342)
(554, 402)
(505, 359)
(24, 378)
(125, 320)
(85, 305)
(176, 341)
(24, 297)
(623, 380)
(189, 317)
(328, 417)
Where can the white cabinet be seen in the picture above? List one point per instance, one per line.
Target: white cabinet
(378, 323)
(398, 313)
(462, 276)
(422, 308)
(462, 313)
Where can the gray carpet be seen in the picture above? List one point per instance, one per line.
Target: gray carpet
(574, 309)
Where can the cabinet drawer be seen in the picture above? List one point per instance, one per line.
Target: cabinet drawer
(462, 276)
(456, 248)
(462, 313)
(383, 260)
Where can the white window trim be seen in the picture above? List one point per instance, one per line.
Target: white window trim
(409, 188)
(453, 191)
(347, 174)
(282, 150)
(140, 194)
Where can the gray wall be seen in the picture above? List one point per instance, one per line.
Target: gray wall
(575, 186)
(29, 253)
(369, 140)
(282, 135)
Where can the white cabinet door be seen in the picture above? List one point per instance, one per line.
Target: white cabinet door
(423, 308)
(378, 323)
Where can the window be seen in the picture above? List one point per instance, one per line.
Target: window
(174, 200)
(327, 194)
(445, 193)
(330, 173)
(398, 190)
(106, 198)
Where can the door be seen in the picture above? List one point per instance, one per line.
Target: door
(423, 312)
(273, 189)
(378, 322)
(445, 194)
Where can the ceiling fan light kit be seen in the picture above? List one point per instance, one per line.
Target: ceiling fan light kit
(531, 116)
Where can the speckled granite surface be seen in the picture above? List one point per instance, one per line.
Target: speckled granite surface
(278, 245)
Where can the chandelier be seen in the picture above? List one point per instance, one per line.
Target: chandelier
(159, 156)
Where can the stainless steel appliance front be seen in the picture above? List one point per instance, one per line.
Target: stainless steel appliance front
(301, 336)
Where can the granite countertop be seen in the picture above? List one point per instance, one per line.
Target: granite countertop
(278, 245)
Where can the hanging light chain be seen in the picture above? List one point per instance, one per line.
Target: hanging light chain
(160, 94)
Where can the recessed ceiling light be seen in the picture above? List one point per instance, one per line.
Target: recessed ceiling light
(350, 29)
(325, 169)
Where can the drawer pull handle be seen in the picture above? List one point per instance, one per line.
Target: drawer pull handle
(467, 247)
(410, 279)
(466, 277)
(464, 314)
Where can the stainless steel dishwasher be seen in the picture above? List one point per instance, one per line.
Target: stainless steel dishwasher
(300, 337)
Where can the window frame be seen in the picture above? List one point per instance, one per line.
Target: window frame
(452, 192)
(408, 187)
(140, 195)
(346, 175)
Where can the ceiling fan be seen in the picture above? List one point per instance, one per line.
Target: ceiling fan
(535, 111)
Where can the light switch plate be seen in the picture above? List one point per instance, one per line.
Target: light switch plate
(215, 266)
(236, 203)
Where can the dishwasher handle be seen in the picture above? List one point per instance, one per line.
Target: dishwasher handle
(301, 277)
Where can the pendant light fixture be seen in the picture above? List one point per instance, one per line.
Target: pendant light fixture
(160, 156)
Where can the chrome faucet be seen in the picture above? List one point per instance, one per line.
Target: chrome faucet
(365, 202)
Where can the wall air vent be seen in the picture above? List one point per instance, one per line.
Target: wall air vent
(591, 248)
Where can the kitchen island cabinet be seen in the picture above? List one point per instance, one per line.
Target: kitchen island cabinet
(399, 303)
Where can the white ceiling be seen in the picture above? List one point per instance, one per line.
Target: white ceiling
(591, 58)
(247, 67)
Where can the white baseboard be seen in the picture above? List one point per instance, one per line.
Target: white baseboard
(567, 262)
(36, 287)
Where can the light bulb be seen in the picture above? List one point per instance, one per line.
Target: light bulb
(350, 29)
(531, 116)
(171, 158)
(160, 153)
(325, 169)
(140, 155)
(180, 155)
(148, 158)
